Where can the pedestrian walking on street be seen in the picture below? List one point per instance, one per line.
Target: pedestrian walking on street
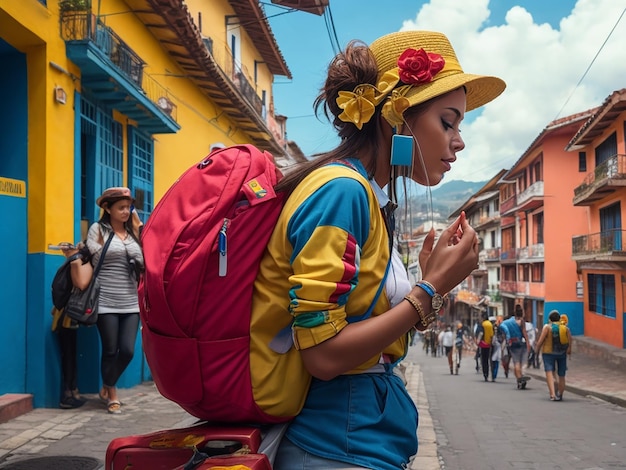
(66, 329)
(447, 341)
(483, 340)
(118, 310)
(397, 106)
(514, 329)
(459, 342)
(555, 343)
(531, 333)
(496, 350)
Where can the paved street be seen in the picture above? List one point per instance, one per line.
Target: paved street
(465, 423)
(481, 426)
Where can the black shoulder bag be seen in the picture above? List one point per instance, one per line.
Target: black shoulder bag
(82, 307)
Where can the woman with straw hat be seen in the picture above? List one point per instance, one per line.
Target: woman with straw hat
(118, 310)
(397, 106)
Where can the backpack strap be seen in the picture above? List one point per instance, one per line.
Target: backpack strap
(104, 250)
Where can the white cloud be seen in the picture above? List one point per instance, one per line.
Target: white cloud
(541, 66)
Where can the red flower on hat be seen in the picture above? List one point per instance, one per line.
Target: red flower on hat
(418, 66)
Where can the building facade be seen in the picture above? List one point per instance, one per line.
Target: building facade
(537, 215)
(112, 93)
(599, 151)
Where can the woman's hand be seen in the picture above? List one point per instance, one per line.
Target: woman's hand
(454, 256)
(68, 251)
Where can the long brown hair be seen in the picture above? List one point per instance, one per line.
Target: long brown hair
(354, 66)
(129, 225)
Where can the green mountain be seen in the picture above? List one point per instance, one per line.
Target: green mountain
(451, 195)
(446, 199)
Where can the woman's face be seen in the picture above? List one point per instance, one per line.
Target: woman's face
(438, 136)
(119, 211)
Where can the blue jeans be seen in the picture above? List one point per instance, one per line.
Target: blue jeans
(292, 457)
(550, 360)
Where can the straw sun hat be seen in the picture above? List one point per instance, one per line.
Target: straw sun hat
(414, 67)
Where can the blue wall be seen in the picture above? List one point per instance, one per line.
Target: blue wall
(13, 207)
(574, 312)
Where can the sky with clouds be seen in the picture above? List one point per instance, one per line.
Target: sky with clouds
(557, 57)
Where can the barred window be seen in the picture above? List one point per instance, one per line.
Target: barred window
(602, 294)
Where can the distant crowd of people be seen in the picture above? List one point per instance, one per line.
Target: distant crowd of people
(497, 341)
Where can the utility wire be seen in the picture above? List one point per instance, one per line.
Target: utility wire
(332, 32)
(589, 67)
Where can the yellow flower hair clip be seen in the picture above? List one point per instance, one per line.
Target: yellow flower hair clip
(395, 106)
(415, 67)
(358, 105)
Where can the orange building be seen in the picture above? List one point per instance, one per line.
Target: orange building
(598, 245)
(537, 221)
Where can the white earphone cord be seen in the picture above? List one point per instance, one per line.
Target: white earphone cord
(421, 159)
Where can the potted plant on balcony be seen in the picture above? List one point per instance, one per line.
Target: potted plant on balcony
(75, 23)
(74, 5)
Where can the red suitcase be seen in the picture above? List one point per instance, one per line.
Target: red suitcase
(226, 446)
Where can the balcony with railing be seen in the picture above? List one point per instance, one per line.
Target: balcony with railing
(531, 197)
(508, 206)
(487, 221)
(113, 73)
(489, 255)
(508, 256)
(236, 73)
(603, 246)
(606, 178)
(515, 287)
(530, 253)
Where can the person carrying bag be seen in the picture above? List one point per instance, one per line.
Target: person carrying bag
(82, 306)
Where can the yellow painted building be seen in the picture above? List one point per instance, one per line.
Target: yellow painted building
(109, 93)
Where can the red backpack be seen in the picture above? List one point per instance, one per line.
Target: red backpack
(195, 307)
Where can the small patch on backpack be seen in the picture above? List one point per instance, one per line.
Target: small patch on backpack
(257, 189)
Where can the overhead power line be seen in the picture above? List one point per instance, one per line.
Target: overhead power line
(332, 32)
(590, 64)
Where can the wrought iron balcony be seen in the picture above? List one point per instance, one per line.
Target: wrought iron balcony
(236, 73)
(113, 73)
(606, 178)
(605, 246)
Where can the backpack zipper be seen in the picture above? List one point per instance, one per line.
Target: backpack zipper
(223, 249)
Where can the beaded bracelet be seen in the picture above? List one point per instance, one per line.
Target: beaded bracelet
(425, 319)
(427, 286)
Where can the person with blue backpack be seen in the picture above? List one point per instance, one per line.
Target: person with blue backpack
(514, 329)
(332, 278)
(555, 343)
